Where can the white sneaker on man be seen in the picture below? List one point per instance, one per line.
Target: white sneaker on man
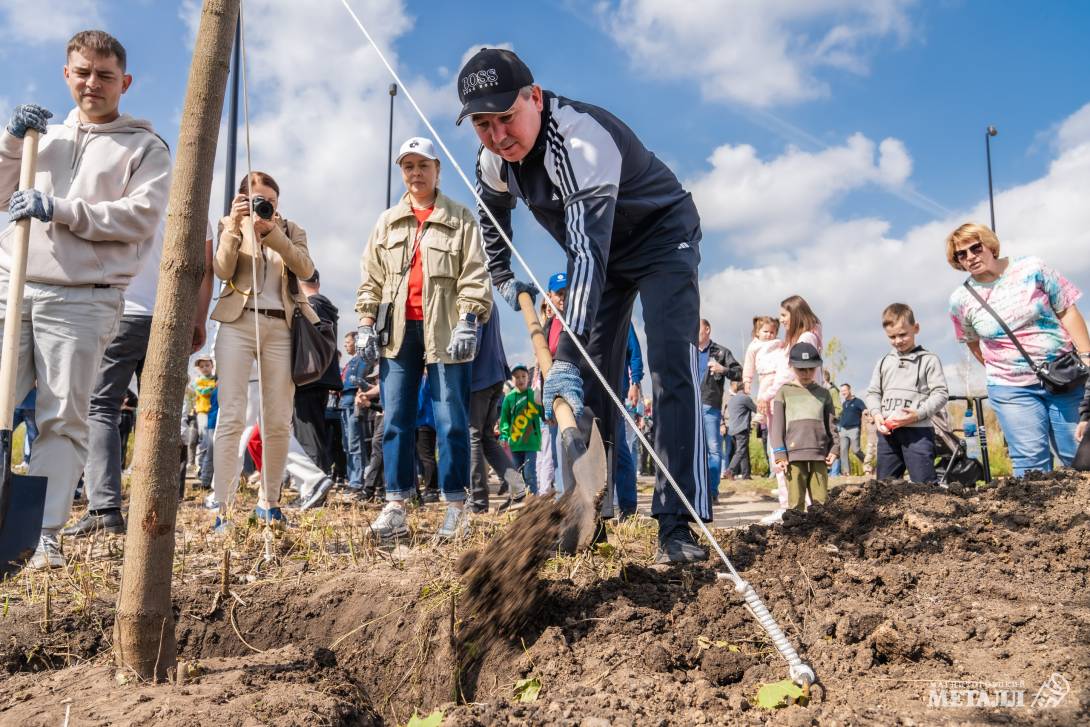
(391, 522)
(47, 554)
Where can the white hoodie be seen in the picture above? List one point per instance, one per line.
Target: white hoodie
(109, 184)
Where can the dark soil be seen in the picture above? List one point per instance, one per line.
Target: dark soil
(887, 590)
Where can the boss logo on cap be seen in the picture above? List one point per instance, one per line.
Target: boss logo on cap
(413, 144)
(479, 80)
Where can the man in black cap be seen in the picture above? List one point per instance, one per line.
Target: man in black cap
(627, 227)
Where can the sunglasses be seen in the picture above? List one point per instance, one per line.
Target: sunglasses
(976, 249)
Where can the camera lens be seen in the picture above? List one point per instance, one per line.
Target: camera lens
(263, 208)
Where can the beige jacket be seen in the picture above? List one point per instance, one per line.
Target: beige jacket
(456, 280)
(233, 263)
(109, 184)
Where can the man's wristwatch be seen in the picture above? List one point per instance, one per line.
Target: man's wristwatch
(470, 318)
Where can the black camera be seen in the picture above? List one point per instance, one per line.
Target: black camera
(263, 208)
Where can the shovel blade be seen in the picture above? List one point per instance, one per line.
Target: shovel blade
(21, 507)
(585, 481)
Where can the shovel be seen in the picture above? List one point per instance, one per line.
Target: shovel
(584, 464)
(22, 498)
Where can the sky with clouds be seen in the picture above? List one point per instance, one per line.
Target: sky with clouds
(831, 145)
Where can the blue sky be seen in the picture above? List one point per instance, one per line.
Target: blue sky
(851, 225)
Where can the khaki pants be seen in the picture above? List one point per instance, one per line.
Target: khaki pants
(64, 335)
(236, 351)
(807, 477)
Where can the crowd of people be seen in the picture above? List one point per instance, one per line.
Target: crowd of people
(424, 402)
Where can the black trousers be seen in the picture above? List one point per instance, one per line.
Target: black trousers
(374, 484)
(667, 282)
(484, 448)
(309, 421)
(338, 466)
(739, 461)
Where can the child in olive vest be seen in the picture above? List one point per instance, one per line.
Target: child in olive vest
(802, 436)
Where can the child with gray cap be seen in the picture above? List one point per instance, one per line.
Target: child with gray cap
(803, 436)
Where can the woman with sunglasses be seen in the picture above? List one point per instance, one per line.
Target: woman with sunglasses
(1038, 306)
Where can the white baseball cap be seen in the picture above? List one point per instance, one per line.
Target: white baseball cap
(417, 145)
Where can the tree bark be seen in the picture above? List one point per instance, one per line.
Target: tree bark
(144, 639)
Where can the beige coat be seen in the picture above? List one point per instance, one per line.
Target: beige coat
(456, 280)
(233, 263)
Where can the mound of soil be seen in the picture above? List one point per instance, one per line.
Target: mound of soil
(891, 591)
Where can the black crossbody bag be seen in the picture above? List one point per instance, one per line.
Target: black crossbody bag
(384, 323)
(1063, 374)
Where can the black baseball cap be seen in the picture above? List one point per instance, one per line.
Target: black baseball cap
(490, 81)
(805, 356)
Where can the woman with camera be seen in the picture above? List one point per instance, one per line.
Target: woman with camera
(425, 292)
(255, 316)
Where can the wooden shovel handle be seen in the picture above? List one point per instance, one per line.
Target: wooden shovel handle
(565, 418)
(9, 353)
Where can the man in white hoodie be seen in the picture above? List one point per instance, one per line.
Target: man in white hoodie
(99, 193)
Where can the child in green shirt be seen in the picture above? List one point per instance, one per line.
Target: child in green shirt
(803, 437)
(520, 426)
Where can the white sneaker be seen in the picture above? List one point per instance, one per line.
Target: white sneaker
(456, 523)
(391, 522)
(210, 502)
(774, 517)
(47, 554)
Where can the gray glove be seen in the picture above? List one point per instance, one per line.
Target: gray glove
(563, 380)
(367, 344)
(463, 341)
(28, 116)
(30, 203)
(510, 289)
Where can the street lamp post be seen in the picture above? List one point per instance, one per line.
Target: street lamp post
(988, 134)
(390, 147)
(232, 125)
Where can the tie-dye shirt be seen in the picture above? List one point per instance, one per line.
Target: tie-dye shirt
(1027, 296)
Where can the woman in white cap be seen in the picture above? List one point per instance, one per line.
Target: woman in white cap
(425, 292)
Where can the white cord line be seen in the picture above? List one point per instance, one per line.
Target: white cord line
(254, 290)
(575, 339)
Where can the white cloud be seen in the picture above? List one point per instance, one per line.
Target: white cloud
(47, 21)
(849, 270)
(756, 53)
(1074, 130)
(768, 206)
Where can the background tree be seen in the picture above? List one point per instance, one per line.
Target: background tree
(834, 358)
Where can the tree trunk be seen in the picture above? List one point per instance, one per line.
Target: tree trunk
(144, 639)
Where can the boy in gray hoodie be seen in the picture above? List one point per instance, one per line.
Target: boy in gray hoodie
(100, 190)
(906, 389)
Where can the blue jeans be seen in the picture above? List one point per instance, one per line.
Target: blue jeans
(712, 418)
(526, 464)
(352, 441)
(448, 386)
(726, 450)
(1035, 423)
(558, 468)
(625, 476)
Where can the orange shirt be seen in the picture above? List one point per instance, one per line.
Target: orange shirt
(414, 305)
